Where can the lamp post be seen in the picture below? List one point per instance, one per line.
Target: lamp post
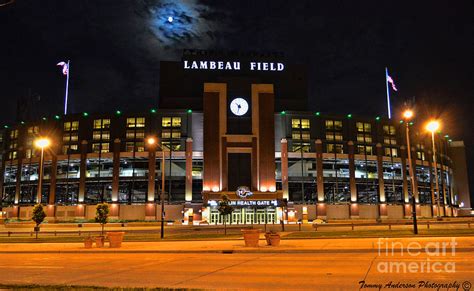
(407, 115)
(152, 141)
(433, 126)
(41, 143)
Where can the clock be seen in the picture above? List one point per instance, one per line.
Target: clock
(239, 106)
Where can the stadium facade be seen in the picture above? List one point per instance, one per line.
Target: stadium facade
(228, 122)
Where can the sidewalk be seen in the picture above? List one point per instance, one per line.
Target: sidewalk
(358, 245)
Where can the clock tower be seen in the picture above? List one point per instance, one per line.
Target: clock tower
(239, 147)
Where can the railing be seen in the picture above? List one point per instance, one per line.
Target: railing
(390, 224)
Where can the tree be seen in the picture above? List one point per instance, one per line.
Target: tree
(225, 209)
(102, 214)
(38, 216)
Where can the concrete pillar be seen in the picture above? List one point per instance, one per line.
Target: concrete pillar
(415, 178)
(432, 184)
(151, 172)
(352, 179)
(52, 188)
(284, 168)
(189, 170)
(403, 155)
(379, 151)
(18, 181)
(319, 171)
(115, 170)
(82, 171)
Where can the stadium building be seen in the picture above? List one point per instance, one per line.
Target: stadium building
(234, 124)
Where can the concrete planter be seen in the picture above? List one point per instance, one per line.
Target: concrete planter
(274, 240)
(267, 238)
(99, 241)
(88, 242)
(251, 237)
(115, 239)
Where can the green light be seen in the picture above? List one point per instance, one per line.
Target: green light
(450, 140)
(446, 136)
(118, 112)
(401, 121)
(56, 117)
(190, 111)
(44, 118)
(153, 110)
(349, 115)
(411, 123)
(318, 113)
(283, 113)
(85, 114)
(377, 118)
(22, 122)
(6, 126)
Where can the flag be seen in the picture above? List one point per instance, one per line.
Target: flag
(65, 67)
(390, 80)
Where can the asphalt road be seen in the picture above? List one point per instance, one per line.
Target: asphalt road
(310, 271)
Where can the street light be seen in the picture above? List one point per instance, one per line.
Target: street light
(151, 142)
(432, 127)
(407, 115)
(41, 143)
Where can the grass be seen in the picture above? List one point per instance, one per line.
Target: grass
(76, 287)
(379, 233)
(233, 234)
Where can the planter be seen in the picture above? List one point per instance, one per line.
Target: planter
(115, 238)
(251, 237)
(274, 240)
(267, 238)
(88, 242)
(99, 241)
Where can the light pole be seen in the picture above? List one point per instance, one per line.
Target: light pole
(152, 141)
(407, 115)
(433, 126)
(41, 143)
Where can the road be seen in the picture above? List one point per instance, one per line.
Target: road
(263, 271)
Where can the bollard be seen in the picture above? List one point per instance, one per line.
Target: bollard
(428, 225)
(389, 226)
(352, 226)
(9, 233)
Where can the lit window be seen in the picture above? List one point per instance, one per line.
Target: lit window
(391, 152)
(130, 134)
(75, 125)
(166, 122)
(66, 138)
(67, 126)
(140, 134)
(301, 147)
(28, 153)
(176, 121)
(361, 149)
(129, 146)
(12, 155)
(176, 134)
(14, 134)
(389, 129)
(106, 135)
(166, 134)
(140, 146)
(96, 135)
(295, 123)
(334, 148)
(296, 135)
(305, 124)
(74, 137)
(101, 123)
(140, 122)
(33, 130)
(338, 136)
(100, 147)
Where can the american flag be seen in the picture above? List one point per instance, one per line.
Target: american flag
(390, 80)
(65, 67)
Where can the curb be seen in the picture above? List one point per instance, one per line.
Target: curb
(220, 251)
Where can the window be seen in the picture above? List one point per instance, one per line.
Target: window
(171, 122)
(100, 147)
(13, 145)
(365, 138)
(391, 152)
(295, 123)
(69, 148)
(390, 140)
(334, 148)
(333, 125)
(71, 126)
(135, 122)
(363, 127)
(334, 136)
(365, 150)
(389, 129)
(301, 146)
(101, 123)
(166, 134)
(129, 146)
(33, 130)
(28, 153)
(14, 134)
(12, 155)
(301, 135)
(98, 135)
(305, 124)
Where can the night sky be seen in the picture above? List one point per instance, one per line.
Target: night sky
(115, 48)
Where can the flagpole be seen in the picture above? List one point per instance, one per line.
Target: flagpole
(67, 87)
(388, 94)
